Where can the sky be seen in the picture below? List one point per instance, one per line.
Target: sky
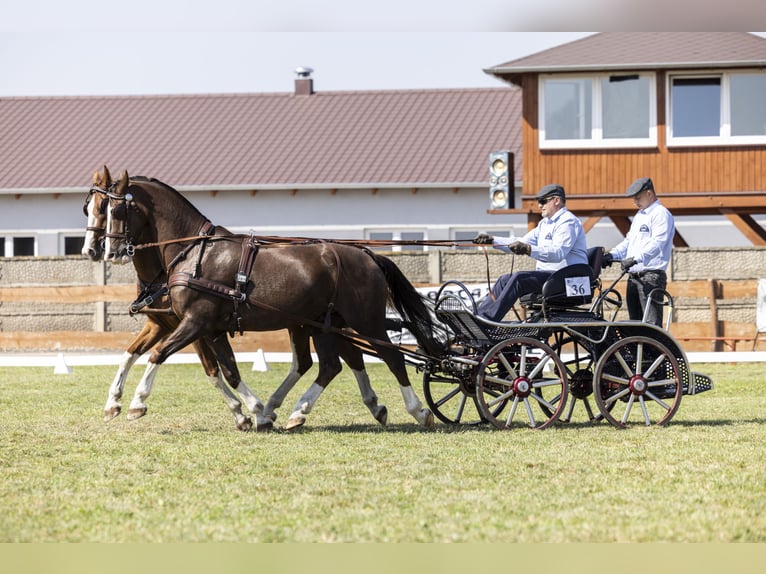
(92, 47)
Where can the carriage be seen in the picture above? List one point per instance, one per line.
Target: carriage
(566, 355)
(568, 349)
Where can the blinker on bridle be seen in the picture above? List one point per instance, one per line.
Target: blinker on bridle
(127, 199)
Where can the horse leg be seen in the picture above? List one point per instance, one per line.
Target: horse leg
(145, 340)
(186, 332)
(302, 362)
(354, 358)
(412, 403)
(329, 367)
(228, 364)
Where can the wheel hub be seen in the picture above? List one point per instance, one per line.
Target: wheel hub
(581, 384)
(522, 387)
(638, 385)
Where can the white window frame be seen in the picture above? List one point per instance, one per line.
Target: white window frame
(597, 141)
(396, 235)
(724, 138)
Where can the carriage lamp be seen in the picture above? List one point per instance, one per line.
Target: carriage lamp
(500, 180)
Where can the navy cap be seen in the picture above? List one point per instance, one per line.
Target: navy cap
(641, 184)
(551, 190)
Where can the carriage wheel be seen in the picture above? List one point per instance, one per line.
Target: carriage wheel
(521, 382)
(637, 380)
(579, 364)
(451, 400)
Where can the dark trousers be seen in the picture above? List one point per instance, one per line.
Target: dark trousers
(637, 295)
(507, 289)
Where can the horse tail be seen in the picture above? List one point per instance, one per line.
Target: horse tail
(409, 304)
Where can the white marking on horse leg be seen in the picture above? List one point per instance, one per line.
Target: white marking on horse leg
(304, 406)
(143, 390)
(369, 397)
(413, 405)
(242, 421)
(113, 406)
(252, 402)
(277, 398)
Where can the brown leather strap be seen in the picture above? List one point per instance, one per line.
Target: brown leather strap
(182, 279)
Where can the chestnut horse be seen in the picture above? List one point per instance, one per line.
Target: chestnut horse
(320, 284)
(160, 322)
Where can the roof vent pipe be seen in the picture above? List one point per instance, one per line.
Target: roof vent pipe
(304, 83)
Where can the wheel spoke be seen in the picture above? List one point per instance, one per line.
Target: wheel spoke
(460, 408)
(512, 412)
(626, 414)
(657, 362)
(617, 396)
(625, 367)
(550, 405)
(647, 420)
(639, 357)
(448, 396)
(508, 366)
(658, 400)
(531, 415)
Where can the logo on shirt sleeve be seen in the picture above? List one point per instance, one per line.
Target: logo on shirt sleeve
(644, 228)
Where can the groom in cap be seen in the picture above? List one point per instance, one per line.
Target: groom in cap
(556, 242)
(645, 251)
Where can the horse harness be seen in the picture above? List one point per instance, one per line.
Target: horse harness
(237, 294)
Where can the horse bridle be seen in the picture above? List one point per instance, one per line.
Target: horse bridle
(111, 195)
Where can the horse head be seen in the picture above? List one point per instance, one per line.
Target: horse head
(118, 245)
(95, 210)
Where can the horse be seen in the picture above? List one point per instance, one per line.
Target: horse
(160, 322)
(223, 283)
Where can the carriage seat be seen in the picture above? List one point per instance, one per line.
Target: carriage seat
(561, 289)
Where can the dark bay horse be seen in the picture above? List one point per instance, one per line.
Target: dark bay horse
(159, 324)
(286, 286)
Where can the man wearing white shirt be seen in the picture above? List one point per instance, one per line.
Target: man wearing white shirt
(645, 251)
(556, 242)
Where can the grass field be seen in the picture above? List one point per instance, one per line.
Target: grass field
(184, 474)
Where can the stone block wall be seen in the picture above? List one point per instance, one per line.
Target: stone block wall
(57, 313)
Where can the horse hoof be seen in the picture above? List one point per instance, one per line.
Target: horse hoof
(428, 422)
(112, 413)
(245, 425)
(382, 416)
(295, 422)
(264, 425)
(134, 414)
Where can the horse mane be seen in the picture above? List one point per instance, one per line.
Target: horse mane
(155, 181)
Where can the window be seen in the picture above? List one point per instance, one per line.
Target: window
(398, 236)
(604, 111)
(717, 109)
(73, 245)
(2, 246)
(21, 246)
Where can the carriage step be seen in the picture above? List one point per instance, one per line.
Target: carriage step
(702, 383)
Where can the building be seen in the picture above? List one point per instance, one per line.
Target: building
(687, 109)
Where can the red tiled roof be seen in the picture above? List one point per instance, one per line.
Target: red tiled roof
(428, 137)
(657, 50)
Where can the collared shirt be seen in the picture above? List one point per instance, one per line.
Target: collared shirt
(650, 239)
(557, 241)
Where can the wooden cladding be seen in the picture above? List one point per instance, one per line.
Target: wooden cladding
(721, 169)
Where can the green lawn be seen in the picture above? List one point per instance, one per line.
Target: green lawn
(184, 474)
